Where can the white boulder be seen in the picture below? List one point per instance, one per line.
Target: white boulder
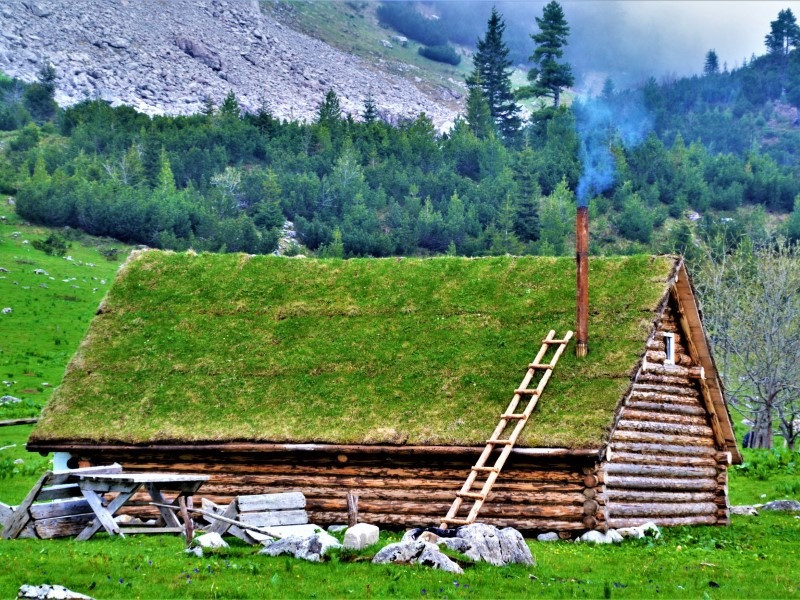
(360, 536)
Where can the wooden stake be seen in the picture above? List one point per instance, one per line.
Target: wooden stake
(352, 509)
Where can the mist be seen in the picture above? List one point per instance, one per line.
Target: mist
(626, 40)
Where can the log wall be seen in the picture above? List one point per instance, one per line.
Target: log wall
(663, 463)
(533, 494)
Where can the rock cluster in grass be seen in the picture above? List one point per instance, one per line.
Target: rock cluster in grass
(615, 536)
(49, 592)
(9, 400)
(117, 51)
(477, 542)
(312, 548)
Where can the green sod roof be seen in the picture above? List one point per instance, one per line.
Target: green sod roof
(217, 348)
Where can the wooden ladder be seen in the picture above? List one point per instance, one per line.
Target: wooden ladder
(533, 394)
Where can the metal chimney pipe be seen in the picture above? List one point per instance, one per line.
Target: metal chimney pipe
(582, 259)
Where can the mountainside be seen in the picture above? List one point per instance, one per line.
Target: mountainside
(167, 57)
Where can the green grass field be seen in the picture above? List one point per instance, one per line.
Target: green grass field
(50, 313)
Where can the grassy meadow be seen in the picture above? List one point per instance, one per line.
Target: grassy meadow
(756, 557)
(49, 312)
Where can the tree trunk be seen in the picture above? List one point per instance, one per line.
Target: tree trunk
(762, 430)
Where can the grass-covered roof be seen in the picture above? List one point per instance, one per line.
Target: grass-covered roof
(215, 348)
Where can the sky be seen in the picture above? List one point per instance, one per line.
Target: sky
(631, 40)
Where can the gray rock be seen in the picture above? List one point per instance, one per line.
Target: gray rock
(746, 510)
(199, 51)
(49, 592)
(311, 548)
(496, 546)
(456, 544)
(416, 552)
(432, 557)
(336, 528)
(195, 550)
(550, 536)
(360, 536)
(9, 400)
(598, 537)
(212, 541)
(37, 9)
(7, 310)
(782, 505)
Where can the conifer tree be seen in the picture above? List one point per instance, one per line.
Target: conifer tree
(784, 34)
(370, 114)
(479, 115)
(492, 75)
(711, 66)
(549, 76)
(330, 111)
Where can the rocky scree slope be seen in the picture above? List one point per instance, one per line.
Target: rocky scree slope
(167, 56)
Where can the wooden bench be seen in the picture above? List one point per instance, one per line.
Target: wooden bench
(55, 506)
(272, 511)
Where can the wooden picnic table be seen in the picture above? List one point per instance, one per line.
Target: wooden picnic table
(94, 485)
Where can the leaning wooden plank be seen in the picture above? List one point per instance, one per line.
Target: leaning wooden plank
(11, 422)
(59, 492)
(62, 526)
(105, 516)
(261, 530)
(219, 526)
(62, 508)
(169, 517)
(21, 517)
(249, 537)
(280, 517)
(281, 501)
(5, 512)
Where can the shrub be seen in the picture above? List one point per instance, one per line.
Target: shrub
(442, 54)
(53, 245)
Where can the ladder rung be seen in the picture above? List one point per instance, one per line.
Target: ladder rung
(507, 416)
(456, 521)
(540, 366)
(555, 341)
(476, 495)
(486, 469)
(499, 442)
(533, 392)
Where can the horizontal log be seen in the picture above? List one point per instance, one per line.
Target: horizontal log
(664, 379)
(650, 437)
(660, 483)
(62, 527)
(634, 414)
(621, 495)
(656, 509)
(262, 502)
(398, 520)
(661, 459)
(497, 497)
(424, 507)
(662, 521)
(664, 398)
(59, 509)
(590, 507)
(261, 484)
(659, 356)
(272, 518)
(661, 427)
(618, 468)
(665, 388)
(659, 448)
(13, 422)
(270, 447)
(666, 408)
(351, 469)
(672, 370)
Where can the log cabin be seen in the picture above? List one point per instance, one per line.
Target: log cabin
(384, 378)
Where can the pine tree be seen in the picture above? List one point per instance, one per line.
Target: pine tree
(330, 111)
(527, 221)
(230, 107)
(608, 88)
(711, 66)
(549, 77)
(166, 180)
(784, 34)
(492, 75)
(370, 114)
(479, 115)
